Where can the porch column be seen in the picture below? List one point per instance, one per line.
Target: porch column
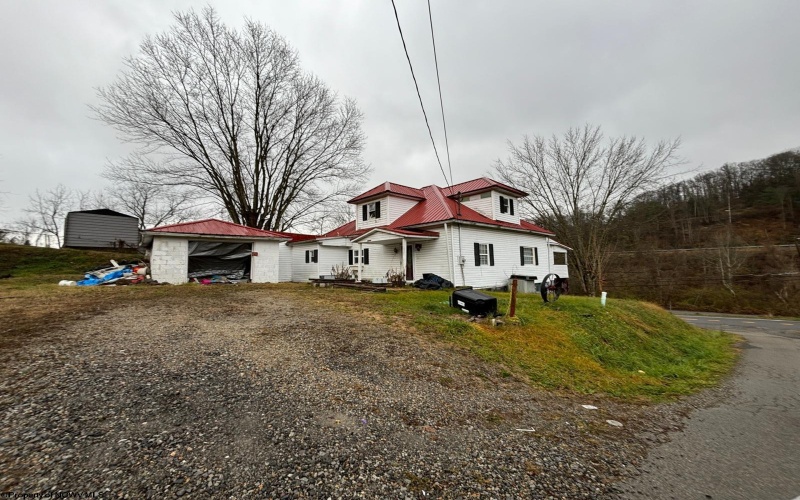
(360, 261)
(403, 263)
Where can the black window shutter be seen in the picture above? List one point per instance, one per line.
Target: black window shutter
(521, 256)
(491, 254)
(350, 257)
(316, 256)
(536, 255)
(377, 210)
(477, 254)
(364, 212)
(503, 205)
(366, 256)
(307, 261)
(511, 205)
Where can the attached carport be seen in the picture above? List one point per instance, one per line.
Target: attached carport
(179, 252)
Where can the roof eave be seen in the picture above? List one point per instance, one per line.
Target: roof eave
(480, 224)
(214, 236)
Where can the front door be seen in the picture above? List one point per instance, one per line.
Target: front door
(409, 263)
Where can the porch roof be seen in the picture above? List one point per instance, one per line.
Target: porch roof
(393, 235)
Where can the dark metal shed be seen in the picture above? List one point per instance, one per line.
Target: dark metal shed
(101, 228)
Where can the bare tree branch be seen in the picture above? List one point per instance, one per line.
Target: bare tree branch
(581, 183)
(232, 114)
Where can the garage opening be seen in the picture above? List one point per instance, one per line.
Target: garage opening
(210, 259)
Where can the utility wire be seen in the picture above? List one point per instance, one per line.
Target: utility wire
(441, 102)
(419, 96)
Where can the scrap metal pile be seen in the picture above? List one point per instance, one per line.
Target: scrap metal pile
(120, 273)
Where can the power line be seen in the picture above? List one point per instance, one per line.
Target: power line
(419, 96)
(441, 102)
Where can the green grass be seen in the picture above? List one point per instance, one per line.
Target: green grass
(573, 345)
(628, 349)
(30, 266)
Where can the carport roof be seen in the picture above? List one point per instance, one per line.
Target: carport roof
(216, 227)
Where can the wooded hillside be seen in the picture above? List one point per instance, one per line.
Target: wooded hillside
(725, 240)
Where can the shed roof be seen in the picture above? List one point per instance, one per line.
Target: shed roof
(216, 227)
(102, 211)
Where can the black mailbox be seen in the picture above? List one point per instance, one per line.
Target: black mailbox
(474, 302)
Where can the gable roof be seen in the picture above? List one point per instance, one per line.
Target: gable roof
(389, 187)
(437, 207)
(216, 227)
(481, 184)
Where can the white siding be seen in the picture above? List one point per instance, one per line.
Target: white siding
(264, 267)
(301, 271)
(330, 256)
(481, 205)
(169, 260)
(506, 217)
(398, 206)
(284, 262)
(432, 257)
(380, 221)
(381, 259)
(506, 256)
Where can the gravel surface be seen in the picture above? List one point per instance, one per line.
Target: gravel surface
(267, 394)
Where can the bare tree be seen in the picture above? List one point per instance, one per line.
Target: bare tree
(580, 184)
(232, 114)
(46, 214)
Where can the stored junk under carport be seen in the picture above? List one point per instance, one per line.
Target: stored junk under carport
(210, 248)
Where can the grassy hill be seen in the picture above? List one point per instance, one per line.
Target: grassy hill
(29, 265)
(629, 349)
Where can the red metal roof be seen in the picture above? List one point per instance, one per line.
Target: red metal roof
(216, 227)
(481, 184)
(439, 208)
(295, 237)
(389, 187)
(343, 230)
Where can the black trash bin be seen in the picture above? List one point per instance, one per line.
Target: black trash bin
(474, 302)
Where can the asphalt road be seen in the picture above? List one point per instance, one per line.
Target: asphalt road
(747, 446)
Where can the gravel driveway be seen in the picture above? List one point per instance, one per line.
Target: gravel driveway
(272, 394)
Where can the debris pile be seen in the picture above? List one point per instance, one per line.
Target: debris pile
(219, 279)
(120, 273)
(432, 281)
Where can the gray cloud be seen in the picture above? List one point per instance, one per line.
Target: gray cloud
(723, 75)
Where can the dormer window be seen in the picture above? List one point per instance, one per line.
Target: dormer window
(506, 205)
(371, 211)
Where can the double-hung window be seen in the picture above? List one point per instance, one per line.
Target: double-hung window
(484, 254)
(371, 211)
(528, 256)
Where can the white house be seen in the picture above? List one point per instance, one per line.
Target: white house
(470, 234)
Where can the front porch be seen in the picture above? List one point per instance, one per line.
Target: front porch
(403, 243)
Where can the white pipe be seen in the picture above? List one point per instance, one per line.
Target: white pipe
(603, 299)
(360, 261)
(449, 248)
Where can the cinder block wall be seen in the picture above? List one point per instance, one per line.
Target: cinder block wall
(169, 260)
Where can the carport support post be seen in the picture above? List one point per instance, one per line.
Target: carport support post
(403, 263)
(360, 261)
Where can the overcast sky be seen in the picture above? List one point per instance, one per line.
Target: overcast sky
(724, 75)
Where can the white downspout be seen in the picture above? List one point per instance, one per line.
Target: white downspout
(449, 247)
(360, 261)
